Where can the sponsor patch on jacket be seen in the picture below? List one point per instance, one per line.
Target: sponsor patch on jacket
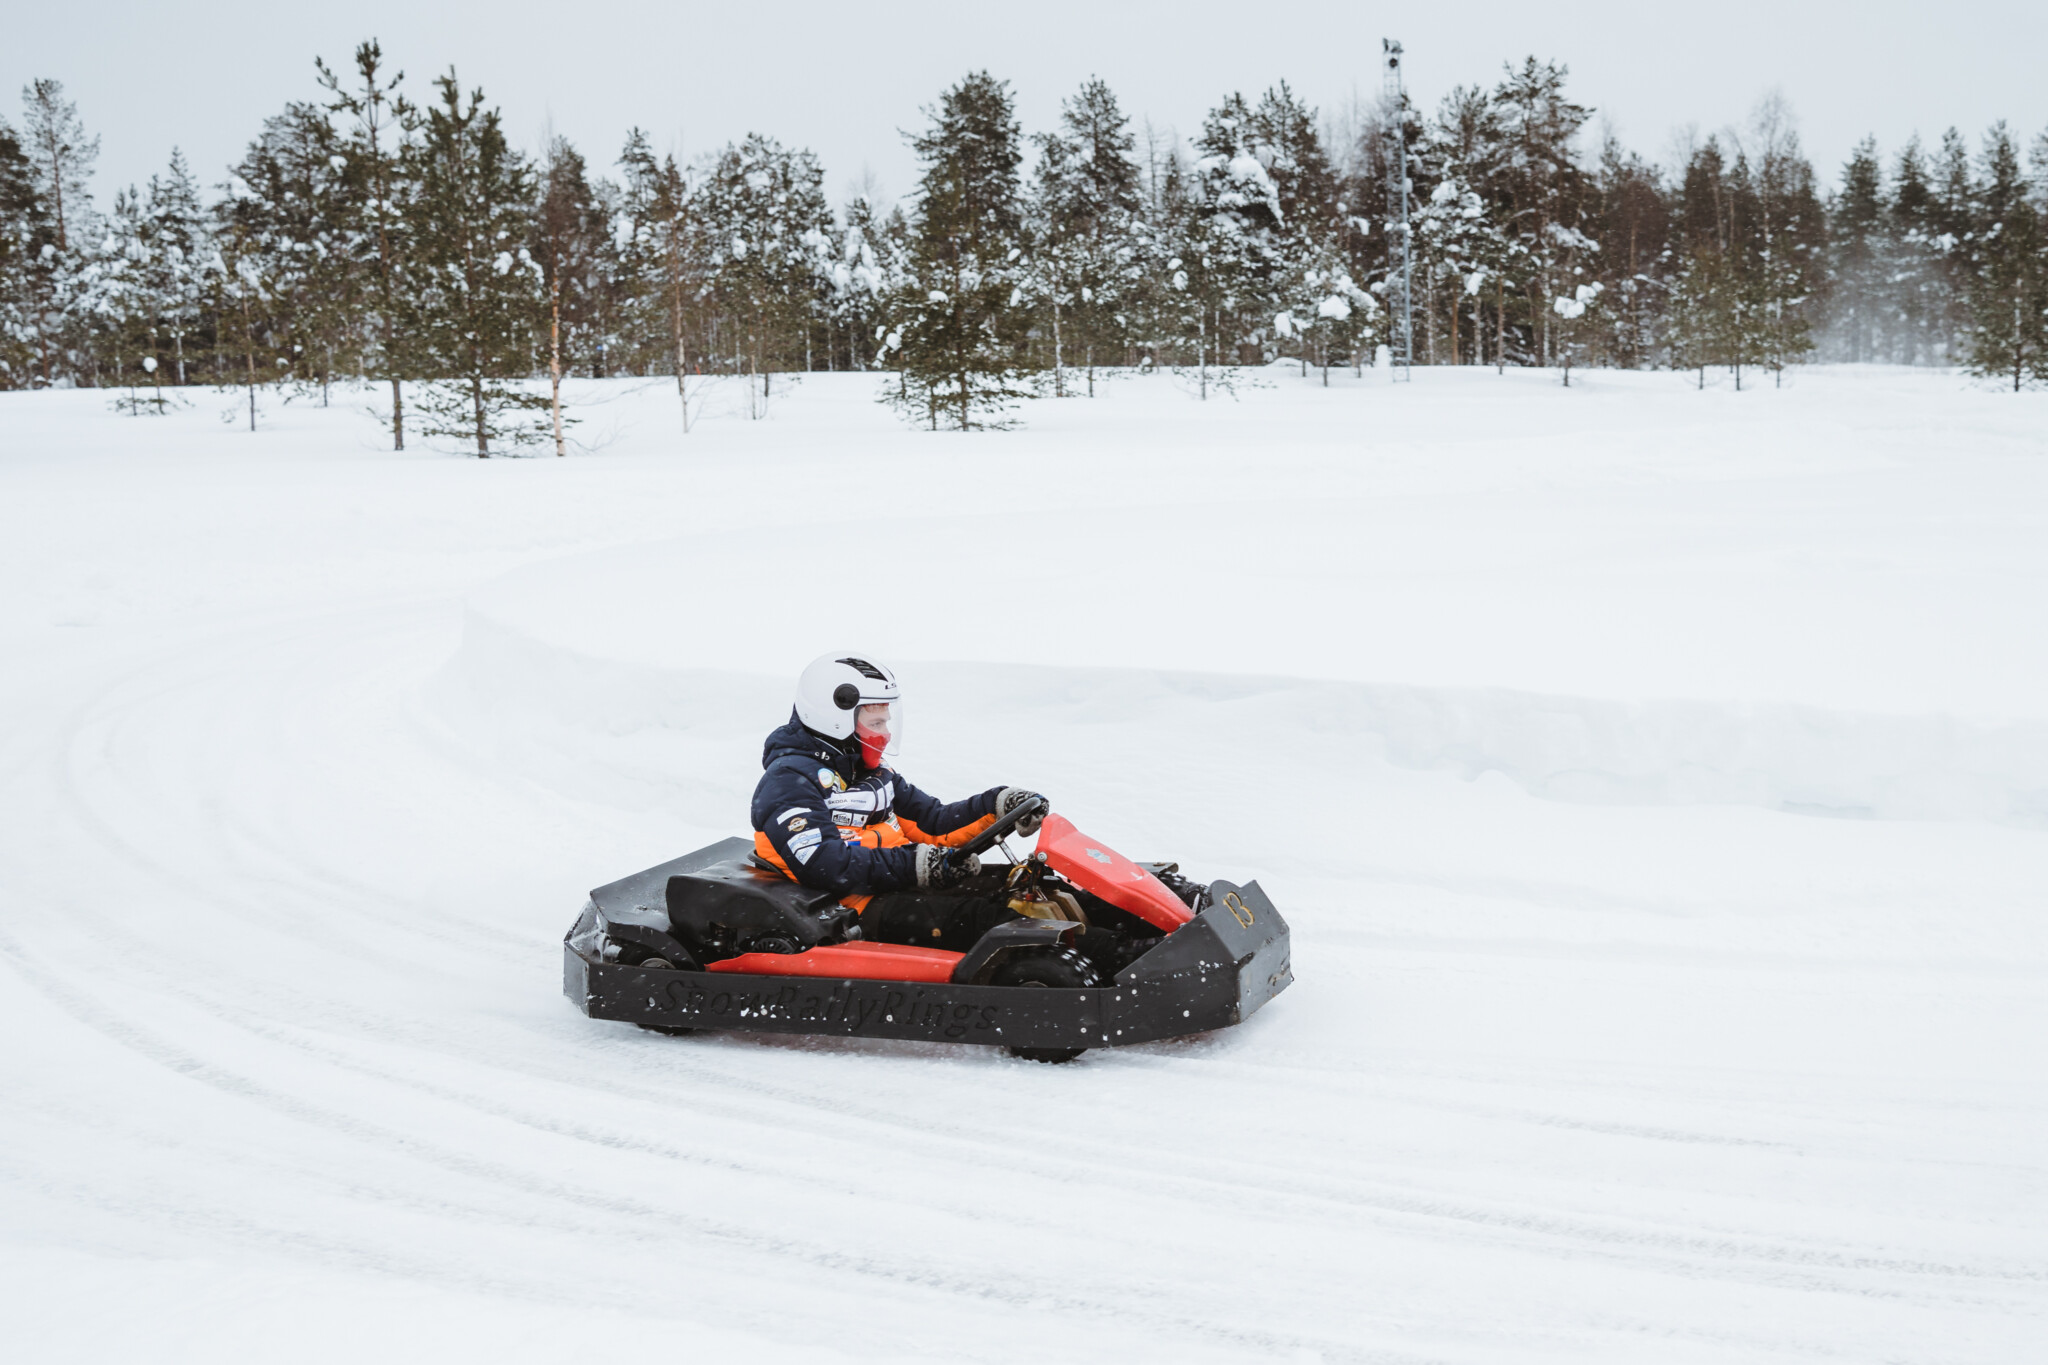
(793, 810)
(830, 780)
(797, 824)
(803, 845)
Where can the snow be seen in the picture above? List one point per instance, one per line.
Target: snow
(1656, 782)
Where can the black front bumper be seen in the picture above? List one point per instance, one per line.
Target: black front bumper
(1212, 972)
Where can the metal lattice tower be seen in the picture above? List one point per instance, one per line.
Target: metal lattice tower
(1400, 265)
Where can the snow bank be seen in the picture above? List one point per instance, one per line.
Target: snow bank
(651, 728)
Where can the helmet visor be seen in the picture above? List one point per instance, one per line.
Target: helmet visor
(878, 725)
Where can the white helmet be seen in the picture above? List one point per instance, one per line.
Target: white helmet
(838, 693)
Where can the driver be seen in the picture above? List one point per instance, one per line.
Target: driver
(831, 815)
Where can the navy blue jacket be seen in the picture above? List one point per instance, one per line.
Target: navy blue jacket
(833, 824)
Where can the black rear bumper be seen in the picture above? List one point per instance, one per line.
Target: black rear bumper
(1212, 972)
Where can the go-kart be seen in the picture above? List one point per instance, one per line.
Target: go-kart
(718, 940)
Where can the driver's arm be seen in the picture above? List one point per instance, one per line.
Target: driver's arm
(928, 820)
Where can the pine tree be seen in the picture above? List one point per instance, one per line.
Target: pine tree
(177, 229)
(469, 222)
(1707, 290)
(867, 271)
(1786, 255)
(25, 231)
(1195, 252)
(638, 288)
(659, 266)
(2009, 294)
(1633, 226)
(240, 294)
(1955, 222)
(572, 241)
(1238, 240)
(1858, 230)
(958, 336)
(1544, 188)
(1104, 213)
(110, 301)
(377, 248)
(765, 224)
(1470, 227)
(1917, 265)
(60, 155)
(1052, 265)
(291, 209)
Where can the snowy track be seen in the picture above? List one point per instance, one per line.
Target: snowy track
(291, 836)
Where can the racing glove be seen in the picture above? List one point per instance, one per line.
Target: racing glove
(942, 867)
(1012, 797)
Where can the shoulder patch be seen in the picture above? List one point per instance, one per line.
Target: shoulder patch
(797, 824)
(830, 780)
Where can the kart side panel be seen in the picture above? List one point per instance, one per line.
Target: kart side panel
(947, 1013)
(1213, 972)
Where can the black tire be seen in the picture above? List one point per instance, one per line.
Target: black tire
(1056, 968)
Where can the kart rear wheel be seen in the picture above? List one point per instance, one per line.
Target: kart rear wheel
(1057, 968)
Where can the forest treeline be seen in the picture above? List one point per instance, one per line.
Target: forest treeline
(371, 234)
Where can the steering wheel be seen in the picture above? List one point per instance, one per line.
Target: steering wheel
(986, 840)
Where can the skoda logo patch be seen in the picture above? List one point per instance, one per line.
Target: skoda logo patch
(1099, 856)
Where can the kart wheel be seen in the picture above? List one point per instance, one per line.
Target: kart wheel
(1058, 968)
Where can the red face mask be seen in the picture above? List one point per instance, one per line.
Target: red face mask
(874, 726)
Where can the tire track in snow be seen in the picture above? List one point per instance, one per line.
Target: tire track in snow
(1314, 1197)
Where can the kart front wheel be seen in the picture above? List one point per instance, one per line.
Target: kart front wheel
(1058, 968)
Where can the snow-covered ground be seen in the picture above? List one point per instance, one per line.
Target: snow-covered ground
(1656, 782)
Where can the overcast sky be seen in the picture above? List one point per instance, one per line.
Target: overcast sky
(844, 78)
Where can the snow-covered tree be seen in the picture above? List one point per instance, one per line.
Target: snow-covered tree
(659, 271)
(60, 155)
(478, 293)
(2009, 293)
(378, 125)
(27, 245)
(572, 243)
(1858, 317)
(1544, 189)
(288, 202)
(867, 268)
(241, 295)
(177, 241)
(1574, 325)
(1786, 254)
(109, 299)
(764, 223)
(1632, 222)
(955, 326)
(1919, 263)
(1084, 256)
